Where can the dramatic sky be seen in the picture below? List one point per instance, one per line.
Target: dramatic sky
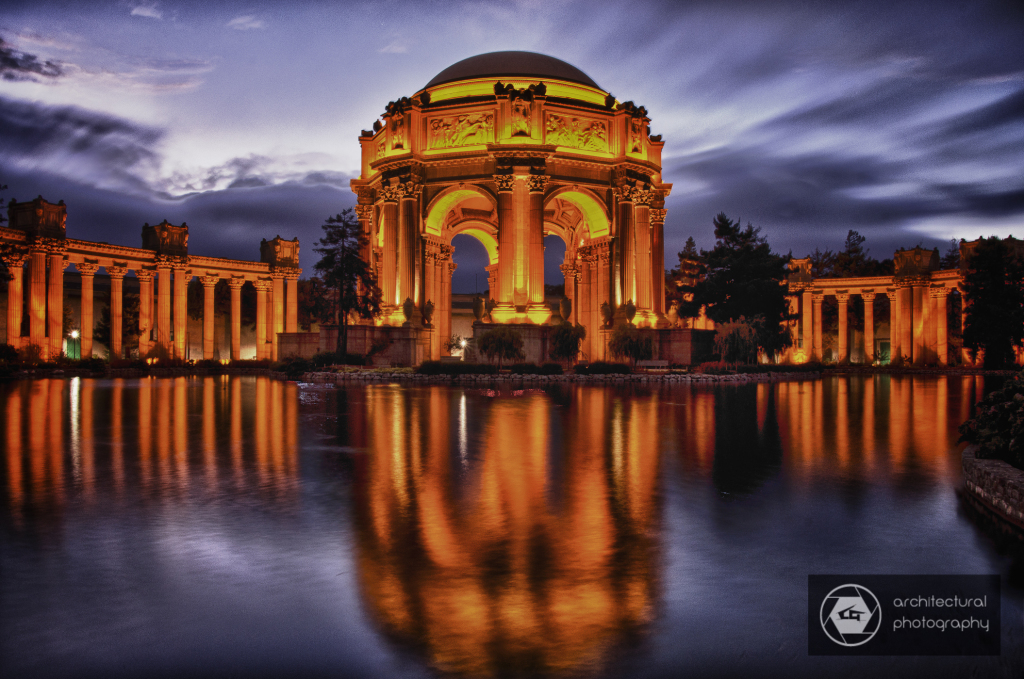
(902, 120)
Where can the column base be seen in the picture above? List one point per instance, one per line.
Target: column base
(645, 318)
(503, 313)
(538, 313)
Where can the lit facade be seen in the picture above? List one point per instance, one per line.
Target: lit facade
(511, 147)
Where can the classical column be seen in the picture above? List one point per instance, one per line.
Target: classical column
(365, 215)
(209, 284)
(55, 301)
(163, 305)
(585, 310)
(816, 299)
(843, 297)
(262, 288)
(408, 235)
(116, 274)
(868, 296)
(906, 315)
(181, 278)
(895, 332)
(291, 318)
(642, 242)
(15, 293)
(235, 284)
(37, 299)
(807, 319)
(627, 248)
(537, 311)
(87, 270)
(965, 353)
(389, 251)
(145, 277)
(505, 309)
(277, 304)
(920, 299)
(658, 260)
(940, 297)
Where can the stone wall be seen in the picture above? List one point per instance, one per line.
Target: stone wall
(997, 484)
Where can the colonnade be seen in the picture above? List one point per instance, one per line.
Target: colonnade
(39, 251)
(918, 297)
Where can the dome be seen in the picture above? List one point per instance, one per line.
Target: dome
(512, 65)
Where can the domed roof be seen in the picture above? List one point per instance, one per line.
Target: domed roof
(512, 65)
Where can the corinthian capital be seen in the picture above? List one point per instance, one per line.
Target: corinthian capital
(537, 183)
(505, 182)
(364, 211)
(658, 215)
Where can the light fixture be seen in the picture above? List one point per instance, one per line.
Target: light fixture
(463, 343)
(74, 334)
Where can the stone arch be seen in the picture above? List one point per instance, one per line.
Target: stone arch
(593, 208)
(447, 200)
(484, 232)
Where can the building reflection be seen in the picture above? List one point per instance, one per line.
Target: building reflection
(151, 438)
(505, 535)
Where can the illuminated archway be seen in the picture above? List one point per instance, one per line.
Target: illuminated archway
(442, 205)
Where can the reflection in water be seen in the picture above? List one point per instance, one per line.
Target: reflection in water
(534, 554)
(196, 426)
(493, 534)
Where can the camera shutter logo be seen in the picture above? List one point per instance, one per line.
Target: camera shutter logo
(850, 615)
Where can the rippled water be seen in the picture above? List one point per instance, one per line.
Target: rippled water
(230, 526)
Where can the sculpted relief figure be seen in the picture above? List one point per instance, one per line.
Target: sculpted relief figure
(636, 128)
(398, 132)
(462, 130)
(520, 117)
(577, 133)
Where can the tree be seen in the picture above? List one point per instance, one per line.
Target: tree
(744, 279)
(951, 260)
(314, 302)
(503, 343)
(627, 342)
(350, 282)
(736, 342)
(994, 289)
(565, 341)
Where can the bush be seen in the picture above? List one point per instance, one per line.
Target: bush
(524, 369)
(551, 369)
(455, 368)
(998, 425)
(8, 354)
(601, 368)
(627, 342)
(565, 341)
(210, 365)
(94, 364)
(503, 343)
(295, 368)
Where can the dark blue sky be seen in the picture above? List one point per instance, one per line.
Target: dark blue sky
(904, 121)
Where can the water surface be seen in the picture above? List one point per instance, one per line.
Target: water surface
(242, 526)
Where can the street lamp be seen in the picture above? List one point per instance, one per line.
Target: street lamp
(74, 334)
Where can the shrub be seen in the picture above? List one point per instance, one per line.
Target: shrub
(210, 365)
(8, 354)
(565, 341)
(601, 368)
(455, 368)
(628, 342)
(998, 425)
(503, 343)
(94, 364)
(524, 369)
(551, 369)
(296, 368)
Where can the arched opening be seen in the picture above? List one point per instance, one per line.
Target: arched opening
(554, 279)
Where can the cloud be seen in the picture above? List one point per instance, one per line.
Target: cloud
(112, 152)
(394, 47)
(246, 23)
(15, 65)
(148, 10)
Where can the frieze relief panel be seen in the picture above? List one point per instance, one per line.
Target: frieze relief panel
(460, 130)
(576, 133)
